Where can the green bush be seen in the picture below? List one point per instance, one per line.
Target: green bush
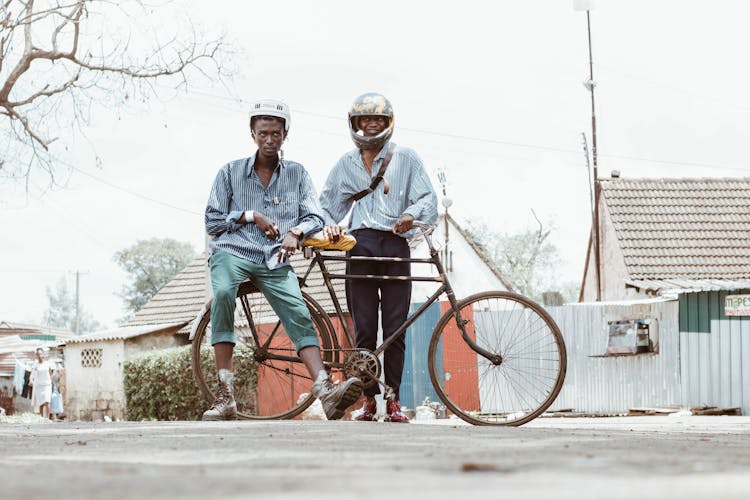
(159, 385)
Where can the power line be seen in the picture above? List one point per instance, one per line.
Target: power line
(125, 190)
(486, 140)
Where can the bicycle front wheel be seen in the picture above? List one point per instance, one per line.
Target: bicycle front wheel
(271, 382)
(523, 377)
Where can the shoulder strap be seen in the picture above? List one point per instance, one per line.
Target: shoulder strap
(379, 176)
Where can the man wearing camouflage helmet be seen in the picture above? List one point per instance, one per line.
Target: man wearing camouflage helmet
(381, 220)
(259, 211)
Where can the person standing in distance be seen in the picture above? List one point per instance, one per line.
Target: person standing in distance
(259, 211)
(381, 220)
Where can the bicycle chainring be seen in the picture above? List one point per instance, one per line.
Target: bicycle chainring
(364, 365)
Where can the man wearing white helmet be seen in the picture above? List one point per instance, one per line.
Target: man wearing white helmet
(391, 189)
(260, 209)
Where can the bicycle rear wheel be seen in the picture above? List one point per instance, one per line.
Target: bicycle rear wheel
(521, 383)
(271, 382)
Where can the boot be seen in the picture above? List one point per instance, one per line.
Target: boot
(336, 398)
(224, 407)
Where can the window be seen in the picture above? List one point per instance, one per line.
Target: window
(632, 336)
(91, 358)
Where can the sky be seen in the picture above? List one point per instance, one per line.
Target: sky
(489, 92)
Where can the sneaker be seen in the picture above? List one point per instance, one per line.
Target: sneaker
(336, 398)
(394, 413)
(369, 411)
(224, 407)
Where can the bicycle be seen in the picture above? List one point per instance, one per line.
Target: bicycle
(494, 358)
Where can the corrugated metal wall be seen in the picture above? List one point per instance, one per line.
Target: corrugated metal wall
(415, 382)
(715, 352)
(615, 384)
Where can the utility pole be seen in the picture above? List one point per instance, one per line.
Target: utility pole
(587, 5)
(78, 302)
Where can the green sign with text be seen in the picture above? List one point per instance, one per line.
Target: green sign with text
(737, 305)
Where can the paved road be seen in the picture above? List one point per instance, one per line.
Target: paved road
(636, 457)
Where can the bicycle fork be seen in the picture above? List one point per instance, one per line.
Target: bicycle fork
(494, 358)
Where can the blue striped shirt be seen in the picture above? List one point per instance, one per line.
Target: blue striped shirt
(410, 192)
(290, 201)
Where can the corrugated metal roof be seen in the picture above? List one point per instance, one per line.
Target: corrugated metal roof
(688, 285)
(23, 329)
(14, 347)
(692, 233)
(126, 332)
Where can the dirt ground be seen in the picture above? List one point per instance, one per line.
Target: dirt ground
(581, 458)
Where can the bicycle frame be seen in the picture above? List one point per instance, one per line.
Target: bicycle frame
(445, 288)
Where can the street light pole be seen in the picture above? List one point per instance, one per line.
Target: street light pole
(590, 84)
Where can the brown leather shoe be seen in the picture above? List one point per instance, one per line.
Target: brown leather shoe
(394, 413)
(369, 412)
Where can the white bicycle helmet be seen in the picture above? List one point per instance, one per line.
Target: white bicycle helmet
(370, 104)
(271, 107)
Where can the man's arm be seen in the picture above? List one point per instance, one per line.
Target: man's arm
(333, 204)
(311, 218)
(218, 218)
(422, 197)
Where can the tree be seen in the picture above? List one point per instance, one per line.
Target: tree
(61, 311)
(150, 264)
(527, 259)
(58, 57)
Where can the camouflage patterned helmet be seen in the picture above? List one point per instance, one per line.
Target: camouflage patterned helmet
(370, 104)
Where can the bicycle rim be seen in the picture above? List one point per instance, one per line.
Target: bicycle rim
(517, 389)
(265, 387)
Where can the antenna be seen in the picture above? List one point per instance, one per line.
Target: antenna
(446, 202)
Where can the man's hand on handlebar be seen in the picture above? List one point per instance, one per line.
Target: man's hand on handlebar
(334, 232)
(404, 223)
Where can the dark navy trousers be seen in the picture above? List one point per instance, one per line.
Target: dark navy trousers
(365, 297)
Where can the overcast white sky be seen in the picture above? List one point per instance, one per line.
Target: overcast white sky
(491, 92)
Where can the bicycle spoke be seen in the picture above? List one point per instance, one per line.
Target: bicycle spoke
(517, 389)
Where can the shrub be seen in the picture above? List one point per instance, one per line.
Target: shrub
(159, 385)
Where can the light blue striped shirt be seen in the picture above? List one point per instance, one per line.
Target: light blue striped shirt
(290, 201)
(411, 191)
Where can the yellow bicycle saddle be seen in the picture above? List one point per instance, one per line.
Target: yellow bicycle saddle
(317, 240)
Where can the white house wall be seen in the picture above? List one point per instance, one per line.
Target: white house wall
(614, 384)
(614, 271)
(95, 392)
(470, 274)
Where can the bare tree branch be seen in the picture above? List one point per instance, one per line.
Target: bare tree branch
(56, 60)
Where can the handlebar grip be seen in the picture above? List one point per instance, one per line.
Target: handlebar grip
(423, 226)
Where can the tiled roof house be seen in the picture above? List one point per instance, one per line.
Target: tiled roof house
(665, 235)
(183, 297)
(179, 301)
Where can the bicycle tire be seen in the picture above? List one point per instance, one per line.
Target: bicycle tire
(265, 388)
(518, 389)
